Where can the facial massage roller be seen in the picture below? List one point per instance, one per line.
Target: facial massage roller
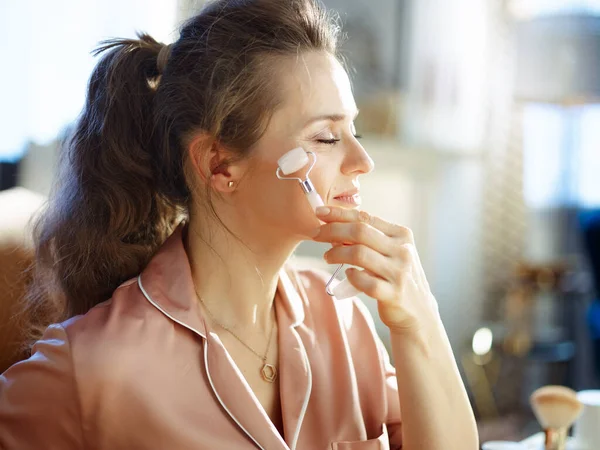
(292, 162)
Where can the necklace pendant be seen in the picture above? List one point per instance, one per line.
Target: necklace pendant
(269, 373)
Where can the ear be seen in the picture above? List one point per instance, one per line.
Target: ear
(213, 163)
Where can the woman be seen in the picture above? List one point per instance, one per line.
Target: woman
(217, 344)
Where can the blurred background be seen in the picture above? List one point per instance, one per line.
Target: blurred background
(483, 119)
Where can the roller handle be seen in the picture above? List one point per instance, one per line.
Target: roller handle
(315, 200)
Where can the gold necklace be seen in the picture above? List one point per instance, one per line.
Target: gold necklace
(268, 372)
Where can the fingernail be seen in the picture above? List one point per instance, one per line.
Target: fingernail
(323, 210)
(315, 232)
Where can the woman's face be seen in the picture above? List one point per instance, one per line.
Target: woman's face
(317, 114)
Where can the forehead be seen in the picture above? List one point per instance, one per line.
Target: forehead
(313, 84)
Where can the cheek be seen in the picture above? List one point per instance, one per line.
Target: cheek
(295, 208)
(281, 203)
(322, 186)
(323, 177)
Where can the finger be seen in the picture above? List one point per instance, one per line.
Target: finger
(412, 255)
(355, 233)
(362, 256)
(337, 214)
(371, 285)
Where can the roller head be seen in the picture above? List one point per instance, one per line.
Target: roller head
(344, 290)
(293, 161)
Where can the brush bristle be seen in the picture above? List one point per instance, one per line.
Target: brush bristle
(555, 406)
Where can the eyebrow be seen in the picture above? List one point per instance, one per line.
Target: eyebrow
(332, 117)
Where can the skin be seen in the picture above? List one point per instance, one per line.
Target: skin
(272, 217)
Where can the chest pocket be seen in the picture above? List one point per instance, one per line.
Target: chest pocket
(380, 443)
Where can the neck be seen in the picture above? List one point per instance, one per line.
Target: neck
(237, 281)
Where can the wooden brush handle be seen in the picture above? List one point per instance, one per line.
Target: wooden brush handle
(555, 439)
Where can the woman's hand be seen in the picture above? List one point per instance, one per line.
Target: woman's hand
(393, 273)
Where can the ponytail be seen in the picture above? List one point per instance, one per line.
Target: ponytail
(106, 215)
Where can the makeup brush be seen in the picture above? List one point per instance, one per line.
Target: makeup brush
(555, 408)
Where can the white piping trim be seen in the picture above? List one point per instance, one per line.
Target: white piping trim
(205, 358)
(306, 398)
(163, 311)
(221, 401)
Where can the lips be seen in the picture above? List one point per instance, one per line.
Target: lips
(350, 193)
(351, 198)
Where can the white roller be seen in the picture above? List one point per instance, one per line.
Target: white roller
(315, 200)
(293, 161)
(345, 290)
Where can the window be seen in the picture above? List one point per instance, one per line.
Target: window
(561, 155)
(47, 46)
(526, 9)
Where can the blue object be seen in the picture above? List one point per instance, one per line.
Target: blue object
(590, 227)
(593, 319)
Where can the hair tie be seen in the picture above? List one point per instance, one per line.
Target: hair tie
(163, 57)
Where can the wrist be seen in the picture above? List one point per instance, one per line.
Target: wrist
(409, 340)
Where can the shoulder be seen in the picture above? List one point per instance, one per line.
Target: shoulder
(127, 305)
(114, 332)
(124, 320)
(39, 397)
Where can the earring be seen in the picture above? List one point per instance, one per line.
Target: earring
(230, 184)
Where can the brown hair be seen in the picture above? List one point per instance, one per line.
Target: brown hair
(122, 185)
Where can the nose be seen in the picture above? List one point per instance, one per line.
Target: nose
(356, 159)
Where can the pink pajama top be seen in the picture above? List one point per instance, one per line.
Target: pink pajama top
(143, 371)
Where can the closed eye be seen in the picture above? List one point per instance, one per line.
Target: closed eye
(334, 141)
(328, 141)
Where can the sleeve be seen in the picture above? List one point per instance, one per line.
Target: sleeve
(393, 419)
(38, 402)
